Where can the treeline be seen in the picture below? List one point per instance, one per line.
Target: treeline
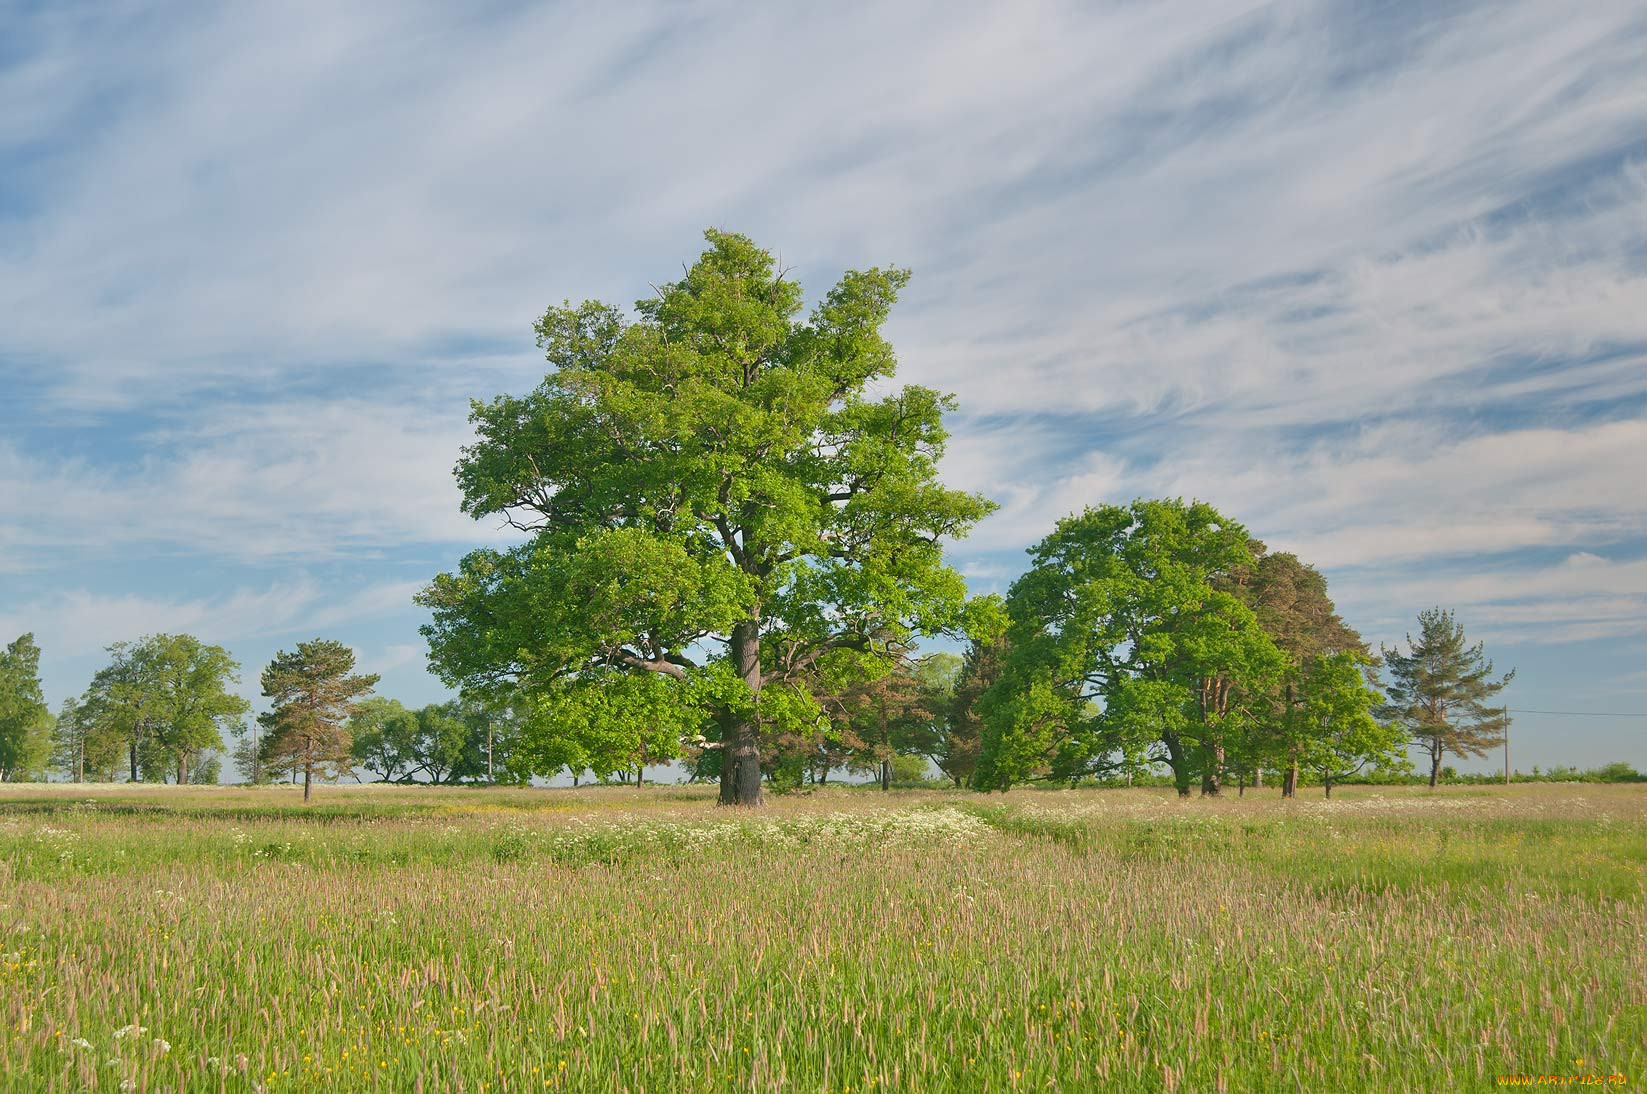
(1142, 638)
(164, 709)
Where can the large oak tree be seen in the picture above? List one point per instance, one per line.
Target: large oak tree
(716, 497)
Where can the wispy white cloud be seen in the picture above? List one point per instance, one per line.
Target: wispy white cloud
(1372, 278)
(303, 480)
(77, 622)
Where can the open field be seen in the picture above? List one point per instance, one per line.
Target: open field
(160, 938)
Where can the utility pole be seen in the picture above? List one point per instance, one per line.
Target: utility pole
(1506, 746)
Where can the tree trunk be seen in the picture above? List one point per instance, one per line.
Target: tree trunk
(1212, 779)
(134, 759)
(308, 770)
(1258, 779)
(1178, 762)
(1289, 779)
(640, 775)
(1435, 766)
(741, 759)
(182, 769)
(886, 774)
(1326, 782)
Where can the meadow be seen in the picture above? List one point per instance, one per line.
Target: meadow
(164, 938)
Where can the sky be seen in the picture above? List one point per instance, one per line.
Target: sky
(1369, 277)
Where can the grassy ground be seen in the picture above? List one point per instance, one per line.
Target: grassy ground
(387, 939)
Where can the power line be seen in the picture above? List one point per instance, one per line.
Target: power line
(1576, 713)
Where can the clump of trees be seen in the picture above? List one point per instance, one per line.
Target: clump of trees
(164, 706)
(459, 741)
(1160, 633)
(160, 709)
(734, 547)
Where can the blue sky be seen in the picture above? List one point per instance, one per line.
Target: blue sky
(1370, 278)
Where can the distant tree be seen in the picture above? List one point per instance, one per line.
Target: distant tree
(190, 701)
(382, 736)
(443, 748)
(25, 720)
(493, 728)
(1124, 648)
(86, 745)
(94, 736)
(314, 692)
(890, 712)
(125, 704)
(1332, 718)
(68, 740)
(1289, 599)
(930, 737)
(619, 724)
(207, 768)
(166, 699)
(247, 755)
(957, 752)
(1439, 691)
(717, 496)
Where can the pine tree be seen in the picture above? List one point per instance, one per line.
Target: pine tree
(314, 695)
(964, 728)
(1438, 691)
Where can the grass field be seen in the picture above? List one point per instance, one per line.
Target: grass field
(398, 939)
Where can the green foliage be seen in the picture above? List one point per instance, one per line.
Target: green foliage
(382, 736)
(25, 720)
(908, 769)
(711, 475)
(1289, 599)
(165, 700)
(957, 751)
(608, 722)
(1332, 720)
(1126, 647)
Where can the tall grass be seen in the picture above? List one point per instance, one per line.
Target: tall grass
(210, 939)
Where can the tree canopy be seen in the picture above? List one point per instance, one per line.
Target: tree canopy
(1124, 647)
(714, 501)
